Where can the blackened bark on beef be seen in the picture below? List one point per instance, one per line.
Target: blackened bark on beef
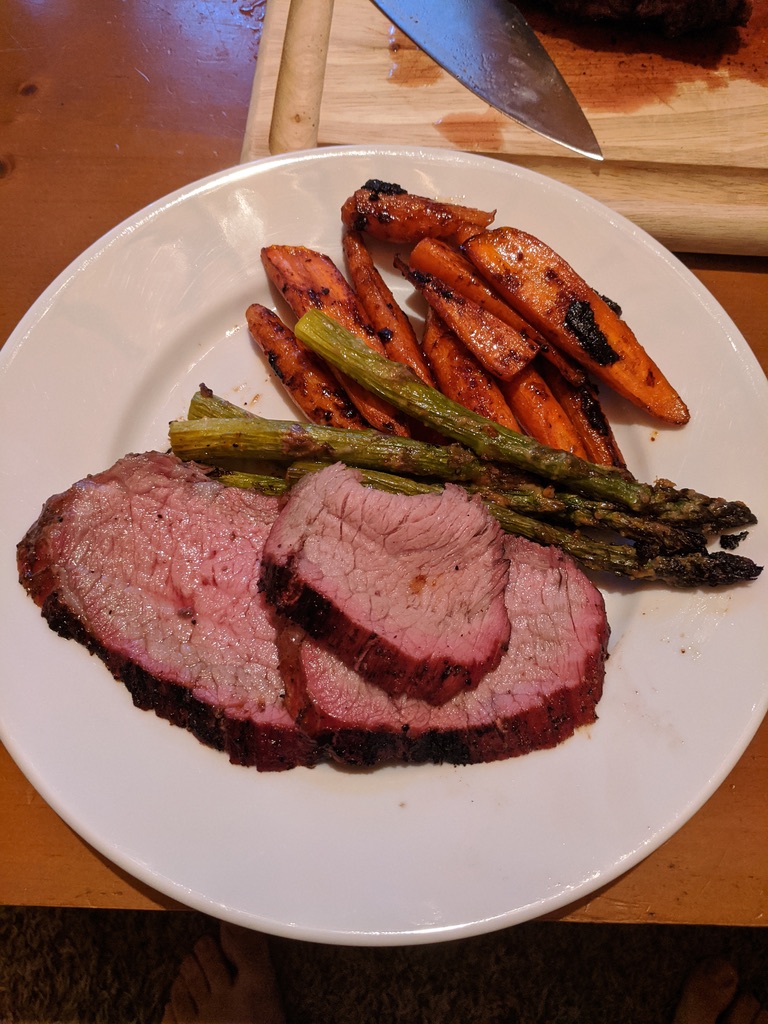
(154, 568)
(407, 590)
(547, 685)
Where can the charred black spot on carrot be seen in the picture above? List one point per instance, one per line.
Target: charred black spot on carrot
(274, 362)
(384, 188)
(593, 411)
(614, 306)
(580, 321)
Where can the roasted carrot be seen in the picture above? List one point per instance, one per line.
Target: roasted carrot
(501, 349)
(564, 365)
(389, 321)
(539, 413)
(306, 378)
(389, 212)
(552, 296)
(310, 280)
(583, 408)
(460, 376)
(307, 279)
(440, 259)
(538, 407)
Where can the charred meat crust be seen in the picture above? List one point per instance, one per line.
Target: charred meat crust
(245, 742)
(366, 651)
(539, 728)
(376, 577)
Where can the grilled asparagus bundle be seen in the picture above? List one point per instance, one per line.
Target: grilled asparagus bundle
(652, 532)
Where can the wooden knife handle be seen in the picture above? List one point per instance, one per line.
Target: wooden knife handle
(299, 90)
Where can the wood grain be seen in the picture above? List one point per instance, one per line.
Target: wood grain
(683, 127)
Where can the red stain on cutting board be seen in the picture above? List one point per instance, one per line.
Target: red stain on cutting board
(617, 69)
(612, 68)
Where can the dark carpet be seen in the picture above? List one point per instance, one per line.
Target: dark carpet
(116, 967)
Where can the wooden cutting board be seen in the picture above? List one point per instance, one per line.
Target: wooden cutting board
(683, 125)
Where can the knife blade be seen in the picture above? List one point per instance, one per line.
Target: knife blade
(490, 48)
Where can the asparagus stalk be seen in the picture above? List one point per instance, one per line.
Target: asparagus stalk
(234, 441)
(710, 515)
(685, 511)
(578, 511)
(205, 405)
(222, 441)
(491, 441)
(691, 569)
(664, 553)
(275, 486)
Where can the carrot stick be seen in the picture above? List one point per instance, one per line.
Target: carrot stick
(549, 293)
(460, 376)
(539, 413)
(501, 349)
(582, 406)
(310, 280)
(389, 212)
(439, 259)
(390, 323)
(306, 378)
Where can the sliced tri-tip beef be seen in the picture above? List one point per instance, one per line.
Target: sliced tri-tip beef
(547, 684)
(154, 568)
(407, 590)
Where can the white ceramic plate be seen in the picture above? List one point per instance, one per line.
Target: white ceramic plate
(115, 348)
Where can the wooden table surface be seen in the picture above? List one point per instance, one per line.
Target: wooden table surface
(106, 107)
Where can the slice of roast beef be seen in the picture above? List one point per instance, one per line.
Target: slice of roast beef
(406, 590)
(547, 684)
(155, 568)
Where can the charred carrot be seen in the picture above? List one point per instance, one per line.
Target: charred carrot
(524, 403)
(550, 294)
(438, 258)
(310, 280)
(501, 349)
(306, 378)
(539, 411)
(389, 212)
(583, 408)
(460, 376)
(540, 414)
(388, 320)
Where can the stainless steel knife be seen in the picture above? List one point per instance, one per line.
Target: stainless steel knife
(491, 49)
